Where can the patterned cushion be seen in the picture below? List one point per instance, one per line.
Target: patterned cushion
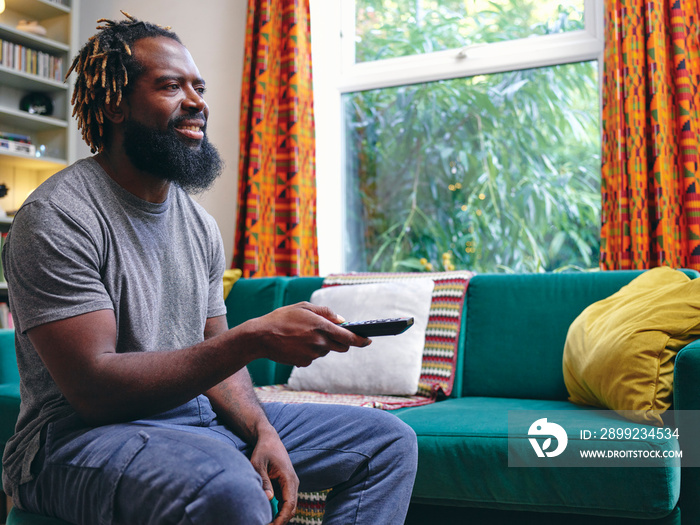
(439, 354)
(444, 322)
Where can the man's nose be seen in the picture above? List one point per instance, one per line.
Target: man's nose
(194, 102)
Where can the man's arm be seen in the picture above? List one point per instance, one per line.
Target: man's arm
(236, 404)
(105, 387)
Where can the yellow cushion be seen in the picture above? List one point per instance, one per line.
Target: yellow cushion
(230, 278)
(620, 351)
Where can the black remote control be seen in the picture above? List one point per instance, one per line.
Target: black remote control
(377, 327)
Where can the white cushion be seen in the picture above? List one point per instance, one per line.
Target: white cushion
(391, 365)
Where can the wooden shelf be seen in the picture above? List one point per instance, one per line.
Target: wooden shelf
(40, 9)
(17, 160)
(22, 80)
(29, 121)
(36, 42)
(20, 172)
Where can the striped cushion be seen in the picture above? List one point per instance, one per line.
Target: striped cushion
(444, 320)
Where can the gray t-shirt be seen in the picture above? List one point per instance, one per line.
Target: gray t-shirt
(82, 243)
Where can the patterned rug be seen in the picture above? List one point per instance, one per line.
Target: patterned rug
(437, 372)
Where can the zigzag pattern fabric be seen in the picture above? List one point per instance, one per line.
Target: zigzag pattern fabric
(651, 131)
(276, 224)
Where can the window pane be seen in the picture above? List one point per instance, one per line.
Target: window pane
(499, 171)
(397, 28)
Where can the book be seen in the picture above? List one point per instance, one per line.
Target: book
(13, 146)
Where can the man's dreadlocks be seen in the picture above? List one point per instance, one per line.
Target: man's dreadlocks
(105, 68)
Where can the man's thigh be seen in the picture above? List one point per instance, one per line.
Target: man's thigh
(135, 474)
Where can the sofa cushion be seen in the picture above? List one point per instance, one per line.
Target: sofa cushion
(422, 513)
(516, 329)
(250, 298)
(299, 289)
(231, 275)
(390, 365)
(463, 461)
(8, 359)
(620, 351)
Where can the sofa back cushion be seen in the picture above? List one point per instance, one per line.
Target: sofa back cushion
(8, 359)
(297, 289)
(255, 297)
(516, 330)
(250, 298)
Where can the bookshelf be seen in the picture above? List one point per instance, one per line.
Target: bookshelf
(35, 63)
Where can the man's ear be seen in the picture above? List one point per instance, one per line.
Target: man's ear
(115, 112)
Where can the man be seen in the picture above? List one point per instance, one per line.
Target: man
(136, 404)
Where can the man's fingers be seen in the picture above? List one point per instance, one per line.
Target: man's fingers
(266, 484)
(324, 311)
(338, 334)
(289, 487)
(286, 513)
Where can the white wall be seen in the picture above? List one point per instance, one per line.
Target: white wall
(214, 33)
(325, 44)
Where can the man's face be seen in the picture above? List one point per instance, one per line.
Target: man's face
(166, 116)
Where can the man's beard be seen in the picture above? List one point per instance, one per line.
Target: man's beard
(168, 157)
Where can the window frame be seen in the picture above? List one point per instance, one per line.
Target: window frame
(333, 78)
(480, 59)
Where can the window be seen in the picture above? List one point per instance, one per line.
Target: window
(471, 134)
(396, 28)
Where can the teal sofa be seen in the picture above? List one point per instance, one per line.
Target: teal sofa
(510, 352)
(510, 361)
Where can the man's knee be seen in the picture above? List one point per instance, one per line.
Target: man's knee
(404, 439)
(395, 431)
(231, 499)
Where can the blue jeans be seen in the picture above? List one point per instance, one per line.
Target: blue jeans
(185, 467)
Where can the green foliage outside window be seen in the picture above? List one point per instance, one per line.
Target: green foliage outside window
(494, 172)
(397, 28)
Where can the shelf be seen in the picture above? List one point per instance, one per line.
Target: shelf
(36, 42)
(20, 79)
(17, 160)
(30, 122)
(22, 172)
(40, 9)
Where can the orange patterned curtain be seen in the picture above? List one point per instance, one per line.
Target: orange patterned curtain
(276, 226)
(651, 130)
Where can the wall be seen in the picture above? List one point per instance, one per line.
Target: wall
(325, 51)
(214, 32)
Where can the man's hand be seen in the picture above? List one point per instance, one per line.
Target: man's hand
(271, 461)
(300, 333)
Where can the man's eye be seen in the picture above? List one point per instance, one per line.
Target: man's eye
(201, 90)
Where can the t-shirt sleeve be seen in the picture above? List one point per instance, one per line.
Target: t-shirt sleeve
(216, 305)
(52, 267)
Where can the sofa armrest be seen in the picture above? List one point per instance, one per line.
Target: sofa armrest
(686, 403)
(686, 396)
(686, 378)
(8, 360)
